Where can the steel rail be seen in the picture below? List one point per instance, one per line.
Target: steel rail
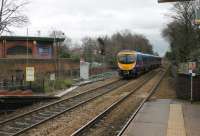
(81, 130)
(51, 104)
(21, 130)
(141, 105)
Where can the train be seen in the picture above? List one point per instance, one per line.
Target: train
(132, 63)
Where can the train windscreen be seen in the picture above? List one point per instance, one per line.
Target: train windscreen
(126, 59)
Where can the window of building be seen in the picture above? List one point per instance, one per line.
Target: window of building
(18, 50)
(44, 50)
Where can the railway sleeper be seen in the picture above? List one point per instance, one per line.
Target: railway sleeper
(59, 107)
(21, 124)
(55, 111)
(3, 133)
(44, 114)
(9, 129)
(29, 121)
(37, 118)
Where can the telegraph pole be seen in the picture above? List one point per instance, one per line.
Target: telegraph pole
(27, 48)
(56, 54)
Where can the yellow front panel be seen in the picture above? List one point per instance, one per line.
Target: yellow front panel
(126, 66)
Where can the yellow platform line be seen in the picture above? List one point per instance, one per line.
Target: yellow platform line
(176, 121)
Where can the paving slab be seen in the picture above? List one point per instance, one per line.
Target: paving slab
(166, 117)
(176, 126)
(152, 120)
(192, 118)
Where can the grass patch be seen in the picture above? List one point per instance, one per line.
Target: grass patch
(58, 84)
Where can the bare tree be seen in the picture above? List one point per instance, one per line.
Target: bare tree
(110, 46)
(181, 33)
(11, 14)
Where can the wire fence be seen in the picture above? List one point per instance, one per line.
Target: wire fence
(42, 80)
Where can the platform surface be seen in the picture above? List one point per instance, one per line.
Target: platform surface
(165, 117)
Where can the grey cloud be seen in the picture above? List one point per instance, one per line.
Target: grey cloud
(78, 18)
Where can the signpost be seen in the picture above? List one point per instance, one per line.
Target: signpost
(192, 67)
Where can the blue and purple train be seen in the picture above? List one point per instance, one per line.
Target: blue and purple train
(132, 63)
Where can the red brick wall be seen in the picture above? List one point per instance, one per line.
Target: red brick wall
(5, 45)
(9, 66)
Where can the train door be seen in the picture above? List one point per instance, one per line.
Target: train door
(139, 64)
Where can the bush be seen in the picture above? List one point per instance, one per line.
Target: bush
(57, 84)
(75, 58)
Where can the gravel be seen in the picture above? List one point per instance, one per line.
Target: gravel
(67, 123)
(166, 89)
(39, 104)
(113, 122)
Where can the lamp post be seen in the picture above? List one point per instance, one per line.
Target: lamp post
(102, 51)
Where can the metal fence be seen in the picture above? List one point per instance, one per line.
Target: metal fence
(13, 82)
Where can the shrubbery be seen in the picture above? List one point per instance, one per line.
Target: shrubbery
(58, 84)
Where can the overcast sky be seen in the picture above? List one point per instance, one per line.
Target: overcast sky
(80, 18)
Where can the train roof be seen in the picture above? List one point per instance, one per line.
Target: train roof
(135, 52)
(148, 54)
(127, 52)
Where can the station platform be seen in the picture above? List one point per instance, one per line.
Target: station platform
(166, 117)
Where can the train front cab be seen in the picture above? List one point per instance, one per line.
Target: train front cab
(126, 64)
(142, 63)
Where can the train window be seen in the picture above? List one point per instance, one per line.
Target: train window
(121, 58)
(144, 58)
(139, 58)
(126, 59)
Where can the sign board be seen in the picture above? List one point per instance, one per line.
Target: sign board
(190, 71)
(52, 76)
(30, 74)
(193, 74)
(192, 65)
(183, 68)
(197, 16)
(187, 67)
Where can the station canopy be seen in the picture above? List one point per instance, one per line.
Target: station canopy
(162, 1)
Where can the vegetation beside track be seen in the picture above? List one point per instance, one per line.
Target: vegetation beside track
(166, 89)
(109, 124)
(58, 84)
(68, 123)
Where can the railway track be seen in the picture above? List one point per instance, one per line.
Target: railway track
(94, 124)
(121, 132)
(19, 124)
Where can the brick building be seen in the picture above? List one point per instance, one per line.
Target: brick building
(17, 52)
(31, 47)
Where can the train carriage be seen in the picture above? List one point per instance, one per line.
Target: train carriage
(132, 63)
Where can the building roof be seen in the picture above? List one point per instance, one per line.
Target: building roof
(162, 1)
(31, 38)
